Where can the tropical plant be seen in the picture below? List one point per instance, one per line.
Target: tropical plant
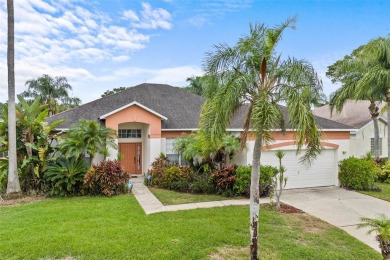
(52, 91)
(88, 136)
(114, 91)
(381, 226)
(107, 178)
(350, 71)
(13, 185)
(279, 179)
(384, 175)
(252, 74)
(65, 176)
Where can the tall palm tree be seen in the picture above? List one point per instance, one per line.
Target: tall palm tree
(51, 91)
(252, 73)
(349, 71)
(381, 226)
(13, 185)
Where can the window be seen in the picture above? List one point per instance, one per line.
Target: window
(174, 157)
(4, 154)
(380, 146)
(129, 133)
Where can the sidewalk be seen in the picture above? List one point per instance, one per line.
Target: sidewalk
(151, 204)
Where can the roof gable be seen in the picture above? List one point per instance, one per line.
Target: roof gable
(134, 103)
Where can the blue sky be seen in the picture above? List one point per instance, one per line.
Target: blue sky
(99, 45)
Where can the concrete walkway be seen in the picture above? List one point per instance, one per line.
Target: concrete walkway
(151, 204)
(339, 207)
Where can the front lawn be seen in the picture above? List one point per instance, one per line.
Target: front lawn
(384, 194)
(117, 228)
(168, 197)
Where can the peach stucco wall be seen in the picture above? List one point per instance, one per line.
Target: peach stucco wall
(135, 114)
(175, 134)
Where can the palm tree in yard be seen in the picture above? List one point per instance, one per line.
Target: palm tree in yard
(381, 226)
(350, 71)
(252, 73)
(13, 185)
(51, 91)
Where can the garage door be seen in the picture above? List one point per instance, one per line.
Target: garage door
(320, 173)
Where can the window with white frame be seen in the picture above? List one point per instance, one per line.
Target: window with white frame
(173, 156)
(380, 146)
(129, 133)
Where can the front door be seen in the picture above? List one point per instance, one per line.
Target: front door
(131, 157)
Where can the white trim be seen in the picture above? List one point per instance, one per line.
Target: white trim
(180, 129)
(132, 104)
(371, 122)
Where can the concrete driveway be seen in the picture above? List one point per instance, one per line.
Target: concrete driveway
(340, 208)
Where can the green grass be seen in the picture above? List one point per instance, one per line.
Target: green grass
(168, 197)
(116, 228)
(384, 194)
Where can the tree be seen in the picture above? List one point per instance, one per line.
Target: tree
(251, 73)
(88, 136)
(349, 71)
(13, 185)
(115, 90)
(52, 91)
(381, 226)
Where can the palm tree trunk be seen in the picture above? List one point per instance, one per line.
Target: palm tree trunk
(388, 122)
(254, 199)
(13, 185)
(374, 111)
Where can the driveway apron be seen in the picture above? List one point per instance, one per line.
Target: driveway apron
(339, 207)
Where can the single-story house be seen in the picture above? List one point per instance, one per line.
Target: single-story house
(356, 115)
(148, 118)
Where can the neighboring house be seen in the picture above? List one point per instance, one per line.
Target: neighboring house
(356, 115)
(149, 117)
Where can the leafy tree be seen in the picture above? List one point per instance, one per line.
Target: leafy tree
(115, 90)
(252, 73)
(13, 185)
(54, 92)
(349, 71)
(381, 226)
(88, 136)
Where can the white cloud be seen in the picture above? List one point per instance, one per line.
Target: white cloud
(150, 18)
(57, 37)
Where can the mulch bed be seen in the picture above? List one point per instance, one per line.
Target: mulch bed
(19, 199)
(284, 208)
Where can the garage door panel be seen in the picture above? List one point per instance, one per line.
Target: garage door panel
(319, 173)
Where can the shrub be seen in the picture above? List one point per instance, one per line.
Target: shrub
(384, 174)
(358, 174)
(224, 179)
(107, 178)
(243, 180)
(3, 174)
(202, 183)
(159, 166)
(183, 181)
(65, 176)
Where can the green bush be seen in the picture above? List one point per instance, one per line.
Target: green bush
(202, 183)
(106, 178)
(3, 174)
(243, 180)
(183, 181)
(159, 166)
(65, 176)
(358, 174)
(384, 174)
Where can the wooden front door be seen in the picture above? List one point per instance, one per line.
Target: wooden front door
(131, 157)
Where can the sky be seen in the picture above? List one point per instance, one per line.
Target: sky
(101, 45)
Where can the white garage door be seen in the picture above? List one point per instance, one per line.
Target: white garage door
(320, 173)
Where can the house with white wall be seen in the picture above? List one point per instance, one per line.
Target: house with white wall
(356, 115)
(149, 117)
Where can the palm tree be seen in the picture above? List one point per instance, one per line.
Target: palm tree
(252, 74)
(349, 71)
(88, 136)
(13, 185)
(381, 226)
(52, 92)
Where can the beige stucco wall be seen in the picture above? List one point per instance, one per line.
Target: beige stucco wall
(361, 139)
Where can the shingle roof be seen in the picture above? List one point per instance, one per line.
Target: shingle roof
(180, 107)
(354, 113)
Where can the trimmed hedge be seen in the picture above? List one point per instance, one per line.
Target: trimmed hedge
(358, 174)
